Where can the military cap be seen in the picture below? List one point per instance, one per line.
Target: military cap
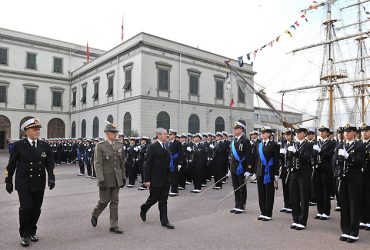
(301, 129)
(199, 135)
(323, 128)
(348, 127)
(364, 127)
(31, 123)
(239, 125)
(266, 129)
(145, 138)
(172, 131)
(311, 131)
(111, 127)
(190, 135)
(254, 132)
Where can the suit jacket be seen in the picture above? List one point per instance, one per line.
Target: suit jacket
(175, 147)
(271, 150)
(157, 166)
(243, 148)
(109, 162)
(302, 157)
(325, 157)
(30, 165)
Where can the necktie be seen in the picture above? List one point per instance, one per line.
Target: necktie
(264, 144)
(34, 144)
(347, 145)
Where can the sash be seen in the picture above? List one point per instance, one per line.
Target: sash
(78, 155)
(266, 178)
(172, 165)
(239, 170)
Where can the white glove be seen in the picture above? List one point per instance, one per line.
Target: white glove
(283, 151)
(247, 174)
(317, 148)
(136, 149)
(343, 153)
(228, 174)
(212, 146)
(292, 149)
(188, 149)
(178, 167)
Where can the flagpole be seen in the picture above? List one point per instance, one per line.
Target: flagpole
(122, 28)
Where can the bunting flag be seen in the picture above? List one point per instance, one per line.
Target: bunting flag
(232, 102)
(87, 53)
(296, 24)
(228, 82)
(122, 30)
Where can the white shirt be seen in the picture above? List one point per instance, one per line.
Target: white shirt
(350, 142)
(160, 143)
(365, 141)
(31, 141)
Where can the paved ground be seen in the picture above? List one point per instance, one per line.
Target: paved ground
(200, 222)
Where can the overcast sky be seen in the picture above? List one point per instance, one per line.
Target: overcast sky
(230, 28)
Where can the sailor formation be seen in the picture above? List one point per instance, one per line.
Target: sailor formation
(315, 167)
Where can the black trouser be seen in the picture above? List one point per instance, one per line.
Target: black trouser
(241, 193)
(174, 180)
(160, 195)
(336, 185)
(82, 166)
(300, 182)
(204, 171)
(141, 169)
(88, 168)
(225, 168)
(131, 173)
(197, 176)
(323, 182)
(93, 168)
(350, 194)
(285, 184)
(365, 207)
(219, 173)
(30, 203)
(182, 176)
(266, 195)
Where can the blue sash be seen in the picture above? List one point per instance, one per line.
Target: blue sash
(239, 169)
(266, 178)
(78, 155)
(173, 157)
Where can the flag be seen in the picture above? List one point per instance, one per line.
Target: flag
(271, 43)
(87, 53)
(289, 33)
(228, 82)
(249, 56)
(122, 30)
(277, 39)
(232, 102)
(255, 53)
(293, 27)
(264, 46)
(296, 23)
(240, 60)
(305, 18)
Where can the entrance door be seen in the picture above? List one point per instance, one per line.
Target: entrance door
(2, 139)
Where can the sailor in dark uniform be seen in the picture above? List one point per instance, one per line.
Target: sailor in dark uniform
(267, 171)
(142, 151)
(300, 179)
(175, 148)
(349, 157)
(365, 211)
(323, 152)
(220, 156)
(31, 160)
(197, 162)
(340, 139)
(182, 162)
(240, 167)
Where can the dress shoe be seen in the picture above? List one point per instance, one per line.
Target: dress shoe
(293, 226)
(300, 227)
(233, 210)
(337, 209)
(94, 221)
(288, 211)
(142, 215)
(34, 238)
(343, 237)
(324, 217)
(362, 225)
(352, 239)
(283, 210)
(266, 218)
(181, 188)
(238, 211)
(318, 216)
(367, 227)
(168, 225)
(25, 242)
(116, 230)
(260, 217)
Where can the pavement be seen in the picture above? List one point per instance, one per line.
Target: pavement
(201, 221)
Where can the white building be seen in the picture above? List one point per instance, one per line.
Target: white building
(143, 83)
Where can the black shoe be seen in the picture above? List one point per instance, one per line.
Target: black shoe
(25, 242)
(343, 238)
(349, 240)
(116, 230)
(283, 210)
(260, 217)
(293, 226)
(168, 225)
(362, 226)
(94, 221)
(142, 215)
(238, 212)
(34, 238)
(232, 211)
(318, 217)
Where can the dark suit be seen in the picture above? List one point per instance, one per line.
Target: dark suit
(157, 172)
(175, 147)
(266, 192)
(197, 165)
(220, 156)
(244, 149)
(31, 166)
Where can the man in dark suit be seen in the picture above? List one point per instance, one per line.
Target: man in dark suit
(157, 177)
(240, 167)
(267, 171)
(31, 159)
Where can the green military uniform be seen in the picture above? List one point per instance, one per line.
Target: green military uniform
(109, 162)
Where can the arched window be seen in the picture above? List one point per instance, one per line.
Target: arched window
(127, 124)
(73, 130)
(219, 124)
(56, 128)
(83, 128)
(110, 118)
(95, 127)
(194, 124)
(163, 120)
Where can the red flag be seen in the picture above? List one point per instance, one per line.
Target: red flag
(122, 30)
(232, 102)
(87, 53)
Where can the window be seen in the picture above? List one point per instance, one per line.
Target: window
(241, 95)
(219, 124)
(163, 120)
(74, 97)
(194, 84)
(31, 61)
(110, 84)
(73, 130)
(3, 94)
(127, 124)
(96, 90)
(95, 127)
(3, 56)
(83, 99)
(57, 98)
(30, 97)
(83, 128)
(194, 124)
(58, 65)
(163, 76)
(110, 118)
(219, 89)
